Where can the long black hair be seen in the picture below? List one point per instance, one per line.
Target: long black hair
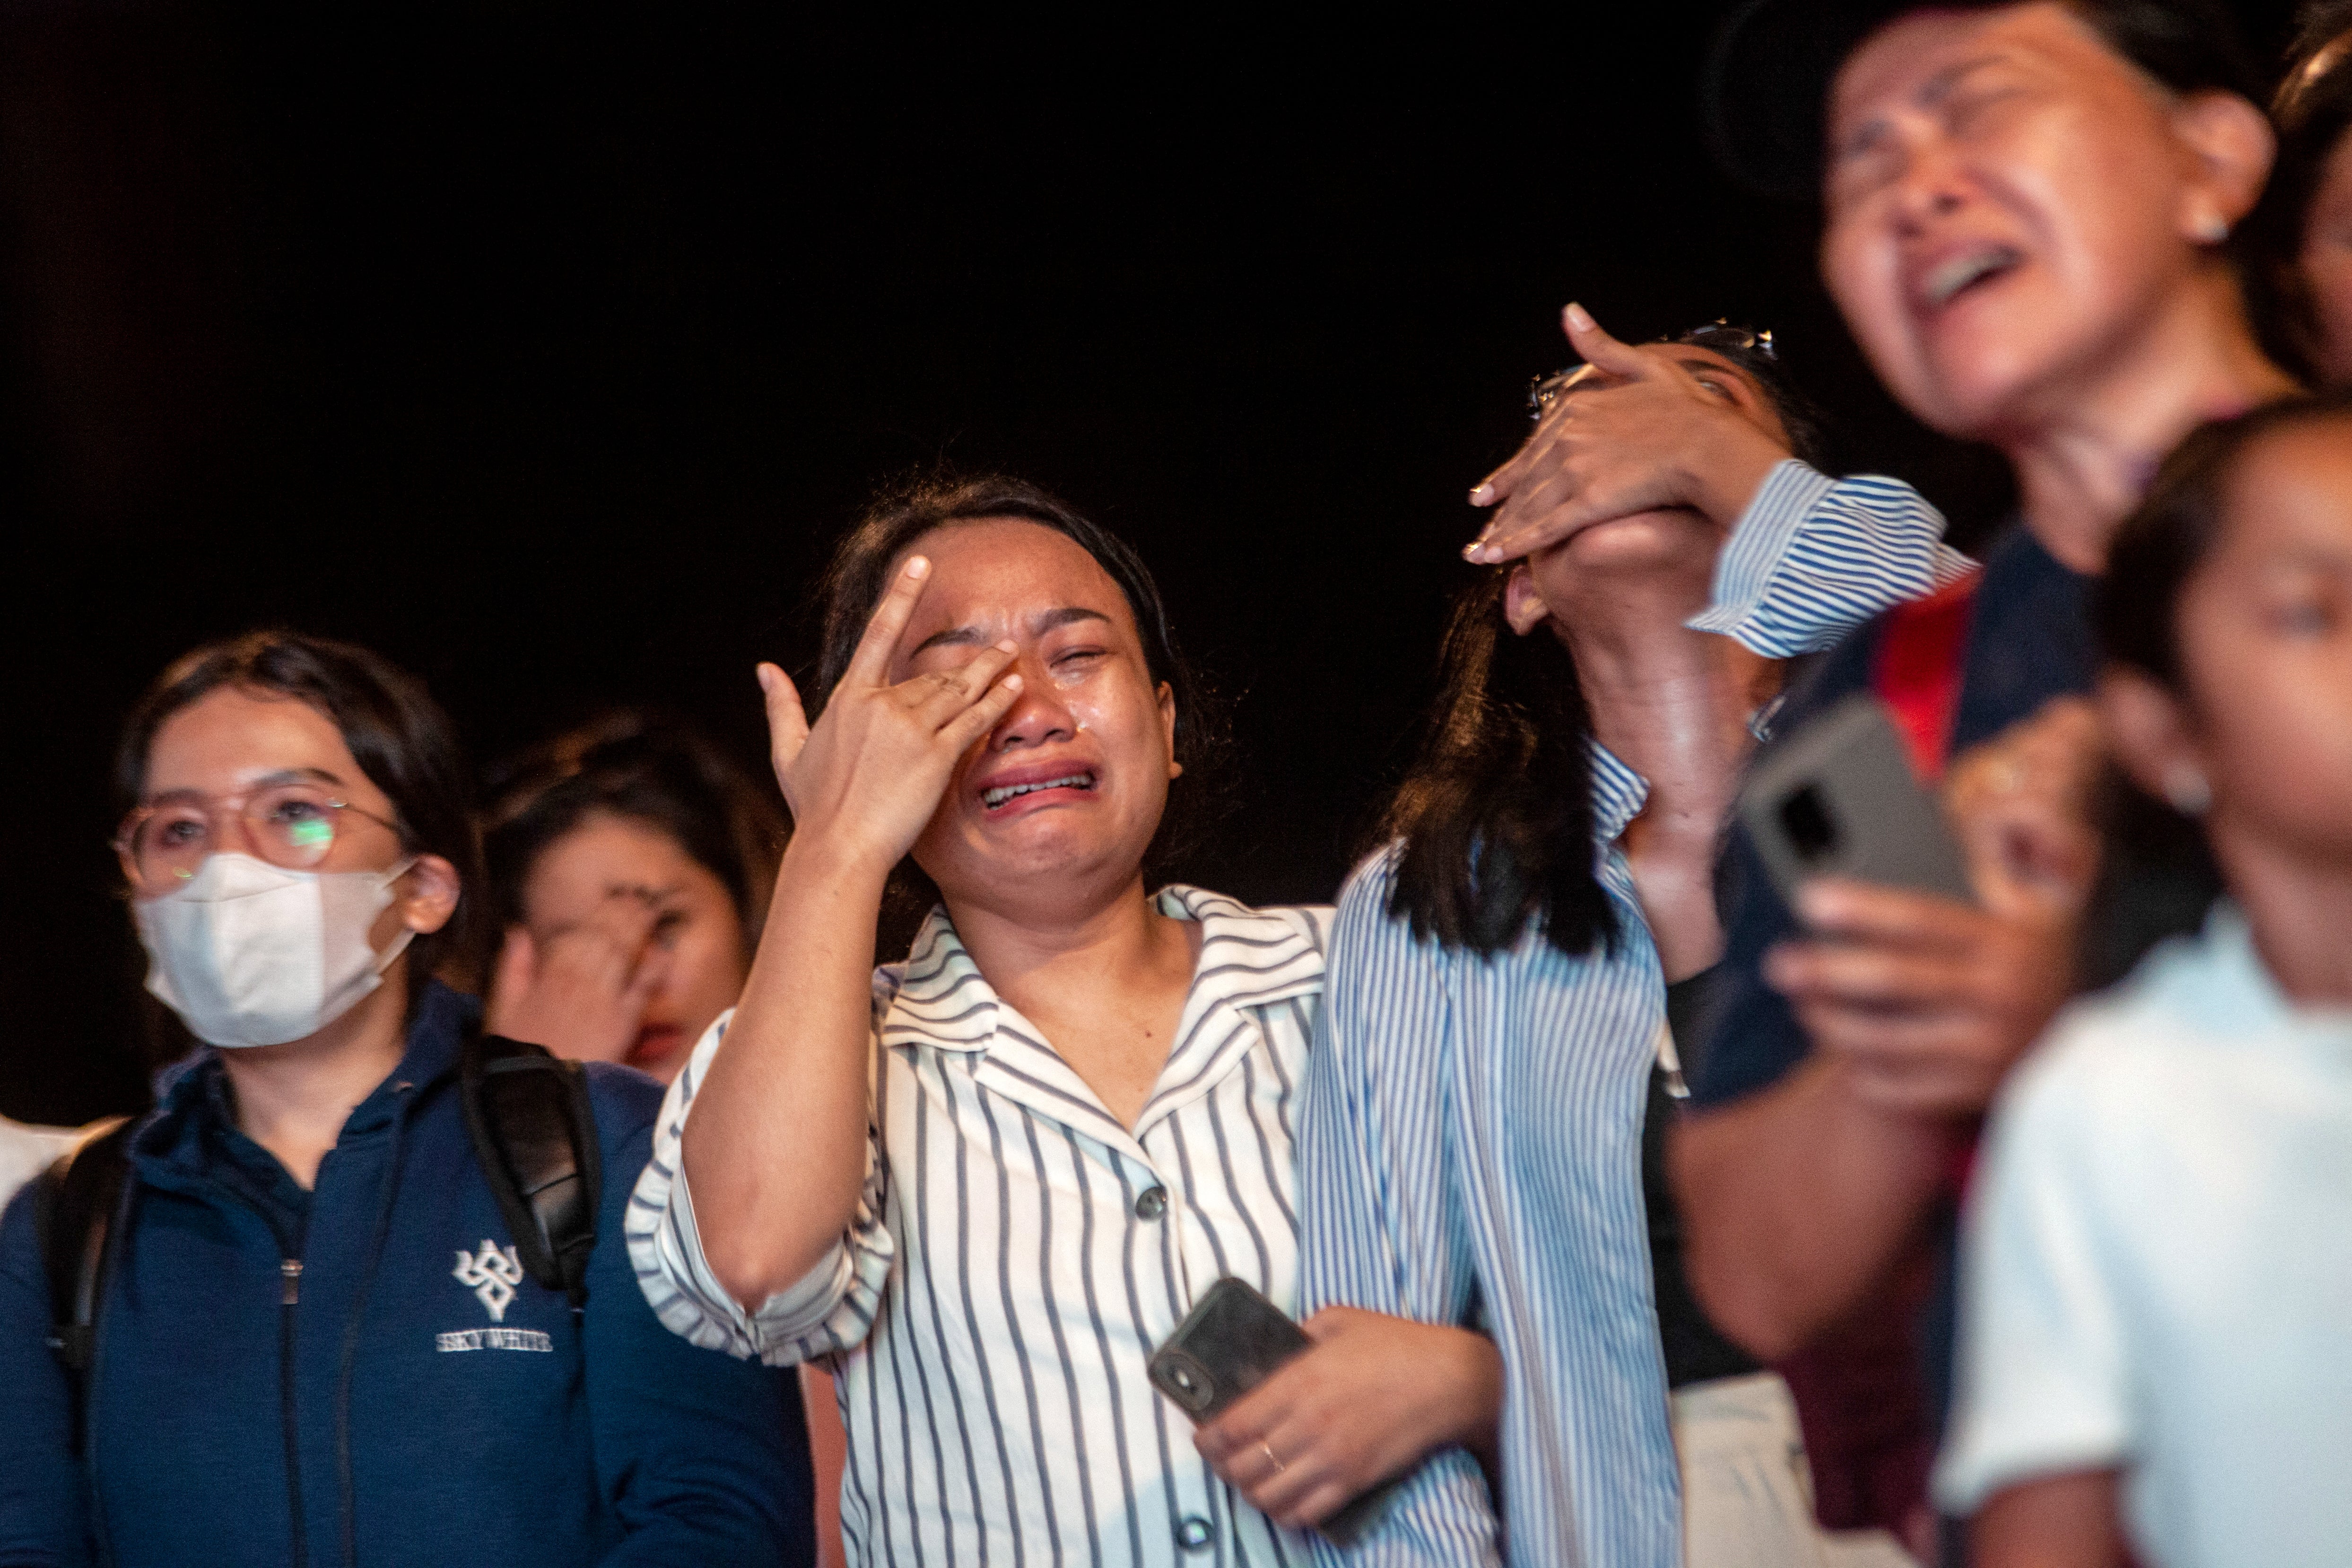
(1494, 819)
(2157, 876)
(645, 767)
(860, 572)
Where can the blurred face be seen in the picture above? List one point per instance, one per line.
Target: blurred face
(1674, 541)
(2266, 650)
(2007, 204)
(2328, 264)
(234, 752)
(1072, 781)
(613, 871)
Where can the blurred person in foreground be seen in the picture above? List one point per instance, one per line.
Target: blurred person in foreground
(2027, 220)
(288, 1368)
(1488, 1103)
(630, 864)
(983, 1183)
(2158, 1246)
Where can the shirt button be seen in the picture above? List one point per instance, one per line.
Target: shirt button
(1151, 1203)
(1193, 1533)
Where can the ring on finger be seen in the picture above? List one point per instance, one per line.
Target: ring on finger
(1270, 1457)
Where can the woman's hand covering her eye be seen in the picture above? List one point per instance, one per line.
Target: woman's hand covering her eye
(1369, 1401)
(1650, 435)
(581, 992)
(867, 778)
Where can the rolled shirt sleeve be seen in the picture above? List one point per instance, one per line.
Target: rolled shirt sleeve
(1812, 558)
(2043, 1358)
(829, 1310)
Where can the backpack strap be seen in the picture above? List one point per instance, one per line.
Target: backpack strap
(534, 1134)
(75, 1204)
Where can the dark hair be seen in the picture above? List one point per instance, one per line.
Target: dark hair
(1495, 815)
(1767, 81)
(2313, 111)
(2157, 877)
(859, 572)
(397, 732)
(645, 767)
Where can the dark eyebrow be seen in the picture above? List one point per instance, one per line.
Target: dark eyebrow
(1934, 89)
(1039, 624)
(267, 781)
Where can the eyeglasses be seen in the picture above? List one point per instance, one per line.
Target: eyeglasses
(294, 825)
(1719, 335)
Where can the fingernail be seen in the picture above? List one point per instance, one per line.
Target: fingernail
(916, 566)
(1578, 321)
(1008, 646)
(1011, 683)
(1482, 494)
(1469, 551)
(766, 676)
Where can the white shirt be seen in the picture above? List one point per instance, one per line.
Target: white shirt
(26, 1151)
(2157, 1271)
(1018, 1254)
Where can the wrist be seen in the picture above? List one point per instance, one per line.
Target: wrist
(1731, 471)
(832, 863)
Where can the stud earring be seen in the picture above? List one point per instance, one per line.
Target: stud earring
(2187, 791)
(2212, 230)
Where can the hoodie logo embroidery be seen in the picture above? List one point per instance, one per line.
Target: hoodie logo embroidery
(493, 1274)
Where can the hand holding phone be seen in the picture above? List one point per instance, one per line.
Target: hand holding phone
(1839, 799)
(1233, 1340)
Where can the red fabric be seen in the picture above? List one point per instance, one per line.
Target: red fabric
(1916, 670)
(1860, 1396)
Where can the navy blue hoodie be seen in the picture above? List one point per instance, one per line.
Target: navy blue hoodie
(359, 1374)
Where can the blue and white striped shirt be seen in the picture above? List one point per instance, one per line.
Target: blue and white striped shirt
(1471, 1153)
(1812, 558)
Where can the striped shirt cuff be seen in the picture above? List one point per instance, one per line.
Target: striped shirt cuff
(1812, 558)
(830, 1308)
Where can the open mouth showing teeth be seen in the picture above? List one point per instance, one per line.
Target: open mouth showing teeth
(995, 797)
(1966, 270)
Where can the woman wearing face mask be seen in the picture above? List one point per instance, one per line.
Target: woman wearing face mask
(287, 1367)
(985, 1183)
(2029, 211)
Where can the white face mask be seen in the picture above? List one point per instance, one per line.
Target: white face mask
(248, 953)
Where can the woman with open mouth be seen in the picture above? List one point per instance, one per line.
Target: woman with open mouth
(983, 1184)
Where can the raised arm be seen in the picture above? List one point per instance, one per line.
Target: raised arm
(775, 1149)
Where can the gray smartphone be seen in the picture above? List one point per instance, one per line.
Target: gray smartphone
(1839, 798)
(1231, 1342)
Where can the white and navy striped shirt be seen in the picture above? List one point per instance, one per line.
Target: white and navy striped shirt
(1471, 1153)
(1812, 558)
(1018, 1254)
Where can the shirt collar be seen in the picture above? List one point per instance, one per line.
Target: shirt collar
(1618, 794)
(1249, 958)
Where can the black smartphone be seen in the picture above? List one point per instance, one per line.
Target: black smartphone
(1839, 798)
(1231, 1342)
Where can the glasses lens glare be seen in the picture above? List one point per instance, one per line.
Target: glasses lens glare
(295, 826)
(170, 845)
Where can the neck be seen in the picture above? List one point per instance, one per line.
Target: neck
(2085, 452)
(1114, 942)
(294, 1098)
(2300, 907)
(1673, 705)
